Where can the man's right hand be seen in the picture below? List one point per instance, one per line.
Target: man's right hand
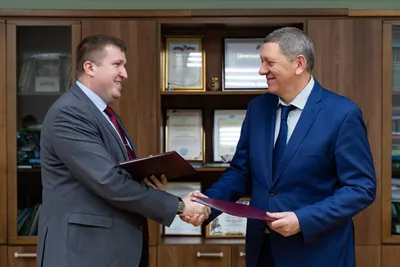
(194, 212)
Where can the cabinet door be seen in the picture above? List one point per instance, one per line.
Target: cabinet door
(138, 105)
(3, 256)
(194, 255)
(348, 61)
(239, 256)
(390, 256)
(3, 152)
(391, 133)
(369, 256)
(22, 256)
(40, 56)
(153, 257)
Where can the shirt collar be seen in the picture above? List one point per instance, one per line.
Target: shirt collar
(96, 99)
(301, 99)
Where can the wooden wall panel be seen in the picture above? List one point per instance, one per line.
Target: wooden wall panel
(3, 147)
(348, 61)
(138, 106)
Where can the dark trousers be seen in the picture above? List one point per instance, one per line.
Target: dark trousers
(265, 259)
(144, 260)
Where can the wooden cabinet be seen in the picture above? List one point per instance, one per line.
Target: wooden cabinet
(153, 256)
(3, 140)
(40, 56)
(194, 255)
(238, 255)
(390, 255)
(22, 256)
(348, 61)
(391, 134)
(369, 256)
(3, 256)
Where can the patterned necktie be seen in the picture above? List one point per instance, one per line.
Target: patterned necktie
(280, 144)
(113, 118)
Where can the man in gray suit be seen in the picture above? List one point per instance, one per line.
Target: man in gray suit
(94, 213)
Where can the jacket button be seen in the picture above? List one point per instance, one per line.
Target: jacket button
(271, 193)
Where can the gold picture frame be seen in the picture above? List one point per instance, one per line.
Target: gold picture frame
(194, 134)
(190, 51)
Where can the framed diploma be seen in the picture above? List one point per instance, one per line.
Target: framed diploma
(179, 227)
(226, 133)
(242, 63)
(228, 226)
(184, 133)
(184, 64)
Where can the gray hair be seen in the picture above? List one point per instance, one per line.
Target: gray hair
(293, 42)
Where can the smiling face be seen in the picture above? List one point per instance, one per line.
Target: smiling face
(107, 73)
(279, 71)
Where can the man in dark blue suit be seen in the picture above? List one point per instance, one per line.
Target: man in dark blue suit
(304, 156)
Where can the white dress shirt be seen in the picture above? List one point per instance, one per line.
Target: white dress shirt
(299, 102)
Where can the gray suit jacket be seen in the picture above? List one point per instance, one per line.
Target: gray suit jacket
(92, 212)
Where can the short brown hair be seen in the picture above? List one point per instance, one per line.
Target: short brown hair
(92, 47)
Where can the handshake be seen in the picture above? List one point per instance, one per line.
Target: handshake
(194, 213)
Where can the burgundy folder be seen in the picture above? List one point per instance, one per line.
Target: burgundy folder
(235, 209)
(169, 163)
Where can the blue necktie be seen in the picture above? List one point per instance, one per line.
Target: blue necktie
(280, 144)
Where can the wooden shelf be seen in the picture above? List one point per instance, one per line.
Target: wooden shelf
(395, 172)
(200, 169)
(200, 241)
(258, 92)
(394, 239)
(40, 94)
(24, 240)
(29, 170)
(211, 169)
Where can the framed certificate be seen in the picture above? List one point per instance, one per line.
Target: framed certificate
(228, 226)
(179, 227)
(184, 133)
(226, 133)
(184, 64)
(242, 64)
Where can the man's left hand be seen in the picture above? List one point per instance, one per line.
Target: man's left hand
(160, 184)
(286, 223)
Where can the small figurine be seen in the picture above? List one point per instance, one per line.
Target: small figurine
(214, 84)
(169, 87)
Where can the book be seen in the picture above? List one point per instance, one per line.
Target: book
(171, 164)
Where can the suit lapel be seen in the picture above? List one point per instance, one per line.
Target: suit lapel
(270, 128)
(98, 114)
(306, 119)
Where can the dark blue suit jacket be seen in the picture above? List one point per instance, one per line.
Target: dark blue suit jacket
(326, 176)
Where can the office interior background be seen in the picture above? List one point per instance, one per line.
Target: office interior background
(356, 45)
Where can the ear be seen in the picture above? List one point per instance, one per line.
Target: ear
(301, 64)
(89, 68)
